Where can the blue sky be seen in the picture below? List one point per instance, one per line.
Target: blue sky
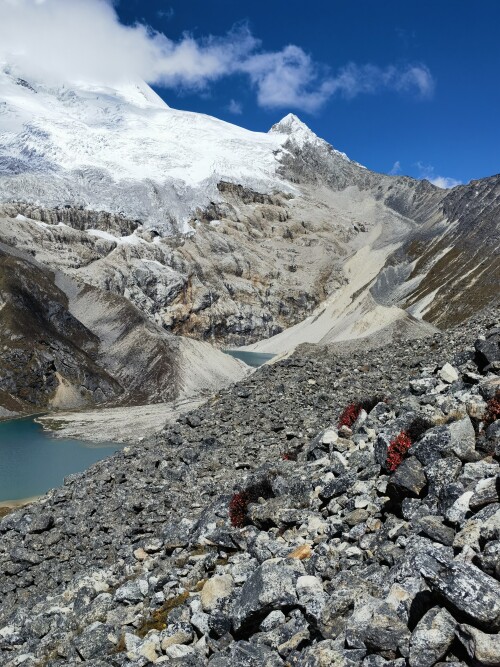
(450, 131)
(402, 86)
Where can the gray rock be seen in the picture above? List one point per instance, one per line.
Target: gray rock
(483, 648)
(433, 527)
(409, 477)
(245, 654)
(466, 588)
(375, 625)
(270, 587)
(432, 638)
(132, 591)
(463, 440)
(448, 373)
(95, 640)
(433, 445)
(215, 590)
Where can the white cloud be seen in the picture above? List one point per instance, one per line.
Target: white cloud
(235, 107)
(287, 78)
(445, 182)
(353, 80)
(396, 168)
(427, 171)
(68, 40)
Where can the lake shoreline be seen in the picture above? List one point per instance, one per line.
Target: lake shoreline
(8, 506)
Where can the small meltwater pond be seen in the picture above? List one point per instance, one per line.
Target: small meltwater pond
(32, 461)
(254, 359)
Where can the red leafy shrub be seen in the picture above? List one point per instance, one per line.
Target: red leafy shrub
(397, 450)
(238, 509)
(239, 503)
(493, 409)
(350, 414)
(352, 411)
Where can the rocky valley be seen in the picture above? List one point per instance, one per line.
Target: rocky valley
(321, 533)
(340, 504)
(195, 251)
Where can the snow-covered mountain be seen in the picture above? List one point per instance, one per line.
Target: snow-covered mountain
(124, 150)
(132, 217)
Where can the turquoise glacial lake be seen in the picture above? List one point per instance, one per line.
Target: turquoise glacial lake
(254, 359)
(32, 461)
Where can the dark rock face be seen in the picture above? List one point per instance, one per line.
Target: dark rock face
(43, 345)
(136, 562)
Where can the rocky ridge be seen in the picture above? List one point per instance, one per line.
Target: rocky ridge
(308, 541)
(66, 344)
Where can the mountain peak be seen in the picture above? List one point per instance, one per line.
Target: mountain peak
(298, 131)
(300, 134)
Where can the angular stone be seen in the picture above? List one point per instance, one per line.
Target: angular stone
(466, 588)
(433, 527)
(132, 591)
(330, 437)
(432, 445)
(176, 633)
(337, 486)
(323, 654)
(488, 348)
(217, 588)
(311, 596)
(245, 654)
(448, 373)
(96, 639)
(40, 523)
(432, 637)
(457, 512)
(272, 620)
(270, 587)
(376, 625)
(463, 439)
(486, 492)
(483, 649)
(422, 386)
(409, 477)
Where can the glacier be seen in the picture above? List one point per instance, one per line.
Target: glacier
(124, 150)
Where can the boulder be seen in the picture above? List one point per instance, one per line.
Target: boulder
(448, 374)
(432, 637)
(216, 589)
(465, 588)
(483, 649)
(271, 587)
